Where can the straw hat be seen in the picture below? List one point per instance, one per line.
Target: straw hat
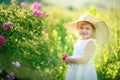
(101, 32)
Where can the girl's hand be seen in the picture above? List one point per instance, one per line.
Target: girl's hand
(67, 60)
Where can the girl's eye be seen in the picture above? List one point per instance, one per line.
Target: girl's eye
(87, 28)
(81, 27)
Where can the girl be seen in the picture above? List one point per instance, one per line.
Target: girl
(90, 31)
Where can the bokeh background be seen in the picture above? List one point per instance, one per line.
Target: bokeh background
(33, 39)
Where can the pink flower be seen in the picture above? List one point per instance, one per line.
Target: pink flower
(38, 13)
(23, 4)
(36, 5)
(46, 14)
(64, 57)
(7, 25)
(35, 12)
(2, 40)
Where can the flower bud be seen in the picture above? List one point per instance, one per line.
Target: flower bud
(2, 40)
(7, 25)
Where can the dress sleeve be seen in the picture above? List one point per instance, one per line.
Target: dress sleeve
(92, 40)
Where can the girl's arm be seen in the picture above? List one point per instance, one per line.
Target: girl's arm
(90, 47)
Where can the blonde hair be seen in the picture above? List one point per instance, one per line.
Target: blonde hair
(79, 24)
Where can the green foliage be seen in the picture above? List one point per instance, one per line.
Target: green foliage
(108, 58)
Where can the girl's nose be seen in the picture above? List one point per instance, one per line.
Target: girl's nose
(83, 30)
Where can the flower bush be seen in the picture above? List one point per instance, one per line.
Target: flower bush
(20, 37)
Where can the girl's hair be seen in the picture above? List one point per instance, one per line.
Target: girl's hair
(79, 24)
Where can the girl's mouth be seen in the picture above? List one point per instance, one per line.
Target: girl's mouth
(83, 34)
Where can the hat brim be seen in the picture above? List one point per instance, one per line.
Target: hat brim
(101, 33)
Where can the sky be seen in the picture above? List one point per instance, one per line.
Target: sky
(77, 3)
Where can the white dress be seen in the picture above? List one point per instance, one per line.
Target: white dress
(81, 71)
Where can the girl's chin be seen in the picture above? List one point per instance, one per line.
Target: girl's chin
(83, 37)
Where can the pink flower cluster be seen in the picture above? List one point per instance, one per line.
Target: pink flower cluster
(2, 40)
(36, 5)
(23, 4)
(7, 25)
(38, 13)
(64, 57)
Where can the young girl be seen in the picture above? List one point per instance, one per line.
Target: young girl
(90, 31)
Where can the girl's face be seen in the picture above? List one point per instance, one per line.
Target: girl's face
(85, 31)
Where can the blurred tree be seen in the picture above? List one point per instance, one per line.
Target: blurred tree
(5, 1)
(19, 1)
